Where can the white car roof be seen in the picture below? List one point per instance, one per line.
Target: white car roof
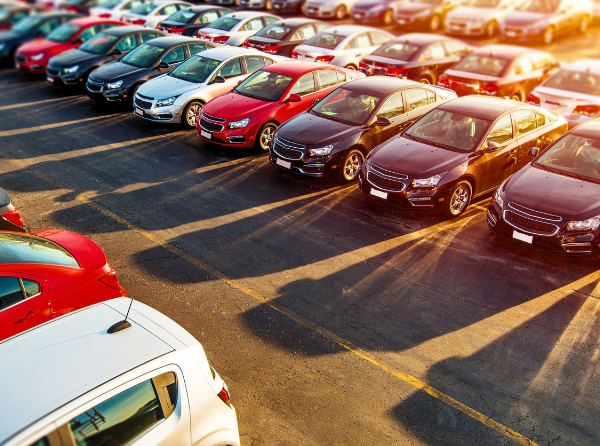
(243, 15)
(591, 66)
(348, 30)
(225, 52)
(48, 366)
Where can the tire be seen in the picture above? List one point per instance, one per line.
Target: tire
(268, 5)
(190, 112)
(340, 12)
(133, 90)
(457, 200)
(425, 80)
(583, 25)
(388, 17)
(236, 2)
(350, 66)
(548, 36)
(350, 165)
(303, 8)
(491, 29)
(264, 136)
(435, 23)
(516, 97)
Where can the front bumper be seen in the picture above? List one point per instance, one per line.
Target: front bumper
(291, 157)
(287, 7)
(253, 4)
(54, 76)
(97, 92)
(367, 17)
(31, 67)
(411, 21)
(319, 11)
(514, 34)
(170, 114)
(465, 29)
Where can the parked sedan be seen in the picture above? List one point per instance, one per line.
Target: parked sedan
(73, 67)
(543, 20)
(462, 149)
(328, 9)
(478, 17)
(178, 97)
(420, 57)
(374, 11)
(428, 14)
(188, 21)
(114, 9)
(48, 274)
(118, 81)
(233, 29)
(289, 6)
(80, 6)
(250, 114)
(342, 46)
(150, 14)
(10, 218)
(552, 204)
(283, 36)
(33, 57)
(337, 133)
(11, 15)
(500, 70)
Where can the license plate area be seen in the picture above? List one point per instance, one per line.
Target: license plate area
(282, 163)
(205, 134)
(50, 79)
(379, 194)
(523, 237)
(139, 112)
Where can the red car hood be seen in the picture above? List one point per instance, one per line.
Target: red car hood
(43, 46)
(87, 253)
(233, 106)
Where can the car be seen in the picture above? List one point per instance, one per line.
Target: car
(283, 36)
(150, 14)
(79, 6)
(544, 20)
(500, 70)
(225, 2)
(118, 81)
(478, 17)
(114, 9)
(342, 46)
(28, 29)
(178, 96)
(73, 67)
(335, 135)
(552, 203)
(250, 114)
(328, 9)
(50, 273)
(10, 217)
(460, 150)
(149, 383)
(33, 57)
(289, 6)
(233, 29)
(188, 21)
(374, 11)
(420, 57)
(573, 92)
(11, 15)
(428, 14)
(256, 4)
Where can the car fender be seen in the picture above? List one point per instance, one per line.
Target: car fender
(458, 172)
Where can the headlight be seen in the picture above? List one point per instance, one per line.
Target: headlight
(321, 152)
(428, 182)
(114, 85)
(498, 199)
(37, 56)
(166, 102)
(585, 225)
(240, 124)
(70, 70)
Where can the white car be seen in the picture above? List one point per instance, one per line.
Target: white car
(149, 14)
(233, 29)
(148, 384)
(478, 17)
(337, 9)
(342, 46)
(115, 9)
(177, 97)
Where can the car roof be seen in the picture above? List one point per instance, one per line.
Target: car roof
(243, 15)
(169, 41)
(58, 14)
(585, 66)
(200, 8)
(297, 67)
(84, 21)
(61, 360)
(225, 52)
(296, 21)
(424, 39)
(504, 51)
(380, 86)
(122, 30)
(590, 129)
(484, 107)
(347, 30)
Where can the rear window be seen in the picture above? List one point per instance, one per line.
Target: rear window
(30, 249)
(325, 40)
(397, 50)
(143, 9)
(489, 65)
(183, 16)
(224, 23)
(579, 82)
(274, 32)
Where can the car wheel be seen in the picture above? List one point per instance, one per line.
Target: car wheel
(435, 23)
(268, 5)
(350, 166)
(236, 2)
(350, 66)
(457, 200)
(303, 8)
(548, 36)
(516, 97)
(265, 135)
(388, 17)
(340, 12)
(425, 80)
(190, 113)
(133, 91)
(583, 25)
(490, 29)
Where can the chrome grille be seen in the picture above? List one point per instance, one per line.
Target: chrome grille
(288, 149)
(385, 179)
(534, 213)
(94, 86)
(52, 71)
(212, 118)
(210, 126)
(529, 225)
(143, 104)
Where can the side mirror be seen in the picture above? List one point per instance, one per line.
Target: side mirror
(217, 80)
(162, 65)
(116, 52)
(294, 98)
(492, 147)
(534, 152)
(382, 121)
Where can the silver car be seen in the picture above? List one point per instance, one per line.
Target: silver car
(177, 97)
(150, 14)
(478, 17)
(342, 46)
(233, 29)
(337, 9)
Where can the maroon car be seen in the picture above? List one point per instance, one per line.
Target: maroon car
(500, 70)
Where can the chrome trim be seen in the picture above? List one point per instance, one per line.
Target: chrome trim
(288, 145)
(212, 118)
(209, 131)
(492, 219)
(387, 190)
(557, 218)
(387, 173)
(527, 230)
(144, 97)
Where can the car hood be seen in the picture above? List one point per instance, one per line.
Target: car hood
(115, 71)
(467, 12)
(524, 18)
(74, 57)
(12, 36)
(167, 86)
(553, 193)
(232, 106)
(38, 46)
(413, 8)
(311, 130)
(368, 4)
(410, 157)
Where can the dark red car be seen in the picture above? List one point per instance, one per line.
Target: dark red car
(249, 114)
(10, 15)
(48, 274)
(500, 70)
(33, 57)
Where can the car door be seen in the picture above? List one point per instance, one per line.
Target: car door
(528, 135)
(456, 52)
(251, 27)
(305, 87)
(564, 17)
(300, 36)
(419, 101)
(173, 58)
(431, 62)
(195, 48)
(232, 72)
(394, 109)
(24, 303)
(126, 44)
(525, 78)
(358, 47)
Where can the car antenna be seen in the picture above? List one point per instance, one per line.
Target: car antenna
(121, 325)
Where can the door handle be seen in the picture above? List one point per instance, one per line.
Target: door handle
(29, 315)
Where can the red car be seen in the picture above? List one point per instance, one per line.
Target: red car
(32, 57)
(48, 274)
(249, 114)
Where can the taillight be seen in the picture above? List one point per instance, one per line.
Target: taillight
(324, 59)
(397, 72)
(220, 39)
(72, 8)
(246, 43)
(533, 99)
(14, 217)
(587, 110)
(176, 30)
(110, 279)
(224, 394)
(138, 22)
(489, 89)
(104, 15)
(271, 49)
(362, 65)
(444, 81)
(294, 54)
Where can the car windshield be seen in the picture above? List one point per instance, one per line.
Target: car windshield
(196, 69)
(183, 16)
(224, 23)
(488, 65)
(449, 130)
(482, 3)
(264, 85)
(4, 13)
(347, 106)
(99, 44)
(325, 40)
(397, 50)
(143, 9)
(544, 6)
(27, 25)
(143, 56)
(63, 33)
(586, 83)
(109, 4)
(573, 154)
(274, 32)
(23, 248)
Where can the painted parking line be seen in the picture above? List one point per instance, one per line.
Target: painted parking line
(383, 365)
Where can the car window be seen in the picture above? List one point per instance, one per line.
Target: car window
(524, 65)
(351, 107)
(327, 78)
(392, 107)
(321, 26)
(325, 40)
(269, 19)
(542, 61)
(31, 287)
(17, 16)
(209, 17)
(183, 16)
(41, 442)
(541, 120)
(133, 4)
(48, 26)
(455, 48)
(106, 26)
(127, 43)
(24, 248)
(167, 10)
(379, 38)
(268, 61)
(230, 69)
(526, 121)
(197, 48)
(305, 85)
(174, 55)
(10, 292)
(502, 131)
(89, 32)
(304, 33)
(417, 98)
(360, 41)
(341, 77)
(254, 25)
(433, 52)
(254, 63)
(148, 36)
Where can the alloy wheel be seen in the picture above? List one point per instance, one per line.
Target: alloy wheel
(266, 135)
(340, 12)
(352, 166)
(490, 29)
(548, 36)
(192, 114)
(459, 199)
(583, 25)
(435, 23)
(388, 17)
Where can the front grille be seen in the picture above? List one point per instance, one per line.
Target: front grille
(210, 126)
(288, 149)
(212, 118)
(385, 183)
(94, 87)
(145, 97)
(533, 212)
(143, 104)
(528, 225)
(52, 71)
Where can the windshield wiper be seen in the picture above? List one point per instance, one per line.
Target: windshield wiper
(333, 118)
(243, 93)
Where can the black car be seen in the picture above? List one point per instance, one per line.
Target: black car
(427, 14)
(374, 11)
(420, 57)
(10, 15)
(336, 134)
(283, 36)
(80, 6)
(34, 27)
(460, 150)
(72, 67)
(288, 6)
(119, 80)
(188, 21)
